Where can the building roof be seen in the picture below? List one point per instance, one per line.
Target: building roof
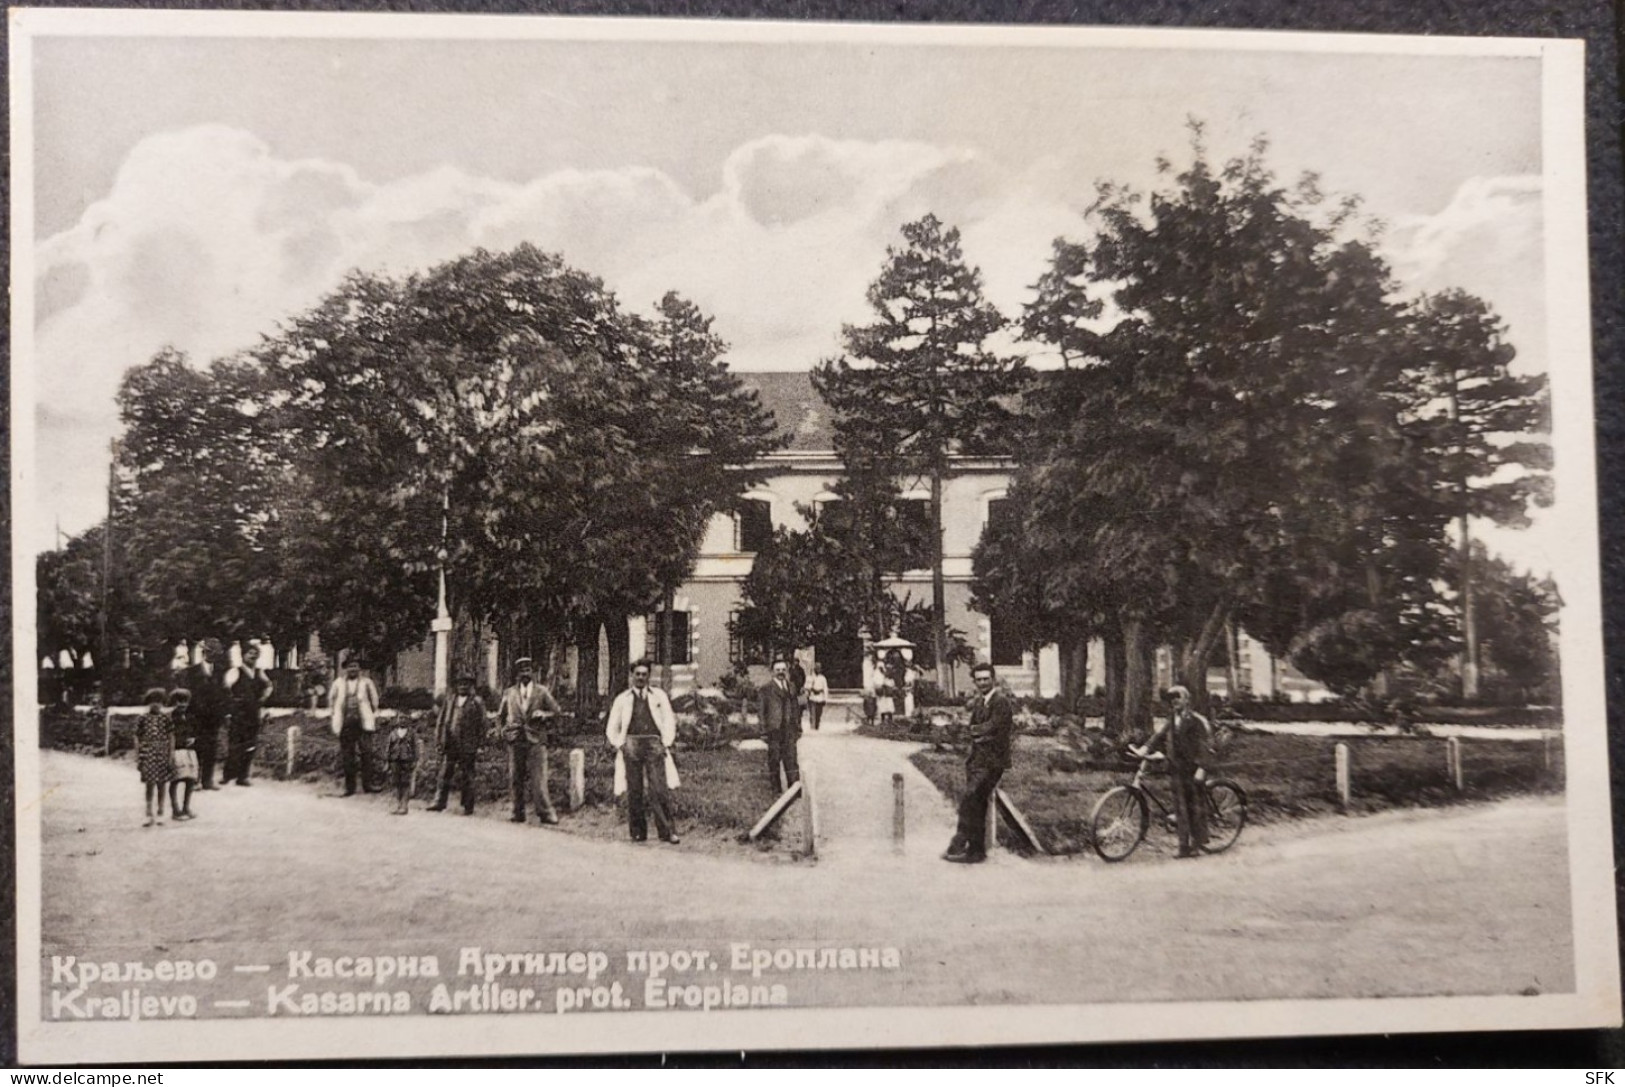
(803, 416)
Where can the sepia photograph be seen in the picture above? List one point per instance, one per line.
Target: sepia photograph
(673, 535)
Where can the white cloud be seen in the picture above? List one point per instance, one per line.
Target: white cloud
(208, 239)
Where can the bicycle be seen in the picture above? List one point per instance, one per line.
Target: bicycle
(1123, 816)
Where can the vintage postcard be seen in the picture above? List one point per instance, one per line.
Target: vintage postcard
(542, 536)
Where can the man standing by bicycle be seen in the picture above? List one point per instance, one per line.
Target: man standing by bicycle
(1185, 737)
(992, 723)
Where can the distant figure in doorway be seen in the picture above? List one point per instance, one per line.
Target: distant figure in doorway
(817, 694)
(459, 730)
(992, 724)
(248, 688)
(354, 708)
(779, 711)
(183, 772)
(1185, 737)
(523, 716)
(208, 708)
(642, 729)
(154, 745)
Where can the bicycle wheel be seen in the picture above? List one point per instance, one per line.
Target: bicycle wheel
(1119, 823)
(1226, 815)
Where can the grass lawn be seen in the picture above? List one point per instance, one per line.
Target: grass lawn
(1283, 776)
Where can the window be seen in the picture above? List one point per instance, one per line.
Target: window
(655, 628)
(999, 512)
(1006, 638)
(835, 518)
(914, 531)
(741, 651)
(754, 518)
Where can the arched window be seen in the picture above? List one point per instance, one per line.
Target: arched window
(753, 520)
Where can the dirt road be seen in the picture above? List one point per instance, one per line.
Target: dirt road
(1461, 901)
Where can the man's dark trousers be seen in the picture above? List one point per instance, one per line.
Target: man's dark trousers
(355, 745)
(208, 750)
(243, 735)
(646, 755)
(781, 752)
(1190, 808)
(457, 766)
(972, 834)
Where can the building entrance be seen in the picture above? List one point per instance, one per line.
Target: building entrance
(842, 658)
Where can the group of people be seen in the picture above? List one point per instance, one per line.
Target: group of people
(178, 738)
(177, 743)
(891, 688)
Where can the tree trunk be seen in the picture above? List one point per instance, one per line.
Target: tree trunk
(620, 653)
(585, 635)
(1137, 678)
(1232, 654)
(939, 596)
(1074, 654)
(1192, 660)
(1116, 671)
(1469, 626)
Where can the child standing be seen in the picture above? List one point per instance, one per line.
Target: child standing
(184, 772)
(401, 752)
(154, 748)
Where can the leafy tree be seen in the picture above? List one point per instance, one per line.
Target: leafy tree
(1517, 624)
(1233, 442)
(68, 605)
(1488, 430)
(920, 383)
(802, 587)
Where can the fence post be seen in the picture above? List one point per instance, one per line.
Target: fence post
(578, 778)
(107, 733)
(1341, 751)
(1547, 736)
(897, 824)
(293, 749)
(1452, 759)
(809, 811)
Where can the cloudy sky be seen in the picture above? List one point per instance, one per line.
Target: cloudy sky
(197, 191)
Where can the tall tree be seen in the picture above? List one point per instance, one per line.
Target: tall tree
(1231, 435)
(1488, 427)
(921, 383)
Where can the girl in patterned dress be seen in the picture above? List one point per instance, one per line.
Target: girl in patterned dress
(154, 750)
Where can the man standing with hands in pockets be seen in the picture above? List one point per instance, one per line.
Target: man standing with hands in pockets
(779, 710)
(526, 706)
(641, 728)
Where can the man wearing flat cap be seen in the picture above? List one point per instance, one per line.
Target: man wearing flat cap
(523, 715)
(459, 729)
(208, 707)
(354, 704)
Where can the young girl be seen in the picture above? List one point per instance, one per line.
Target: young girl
(402, 755)
(155, 744)
(185, 770)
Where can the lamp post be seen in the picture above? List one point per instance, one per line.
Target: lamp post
(442, 620)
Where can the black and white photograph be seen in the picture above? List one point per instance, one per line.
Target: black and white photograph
(606, 536)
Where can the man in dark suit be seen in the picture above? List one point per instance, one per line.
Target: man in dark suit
(459, 729)
(992, 724)
(523, 716)
(1185, 736)
(208, 709)
(779, 710)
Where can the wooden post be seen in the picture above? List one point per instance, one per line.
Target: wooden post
(107, 733)
(578, 778)
(809, 812)
(293, 749)
(1547, 738)
(1452, 759)
(897, 825)
(1342, 753)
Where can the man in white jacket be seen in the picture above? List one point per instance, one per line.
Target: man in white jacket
(641, 727)
(354, 703)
